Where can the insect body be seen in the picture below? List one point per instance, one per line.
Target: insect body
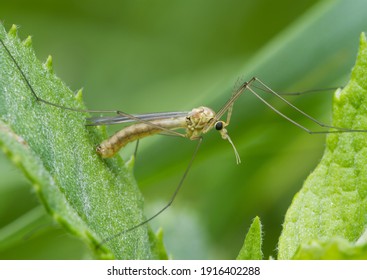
(196, 122)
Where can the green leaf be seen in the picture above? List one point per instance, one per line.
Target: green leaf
(92, 198)
(333, 249)
(332, 201)
(157, 245)
(251, 249)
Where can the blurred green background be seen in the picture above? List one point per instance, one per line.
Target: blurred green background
(146, 56)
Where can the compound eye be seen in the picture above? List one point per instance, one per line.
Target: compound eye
(219, 125)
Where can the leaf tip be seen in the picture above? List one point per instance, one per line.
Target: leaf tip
(13, 31)
(130, 163)
(157, 245)
(363, 38)
(79, 95)
(48, 64)
(251, 249)
(359, 70)
(28, 42)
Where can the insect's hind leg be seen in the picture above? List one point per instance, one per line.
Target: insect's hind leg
(173, 196)
(267, 89)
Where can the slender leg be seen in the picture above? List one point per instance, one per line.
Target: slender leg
(166, 206)
(329, 128)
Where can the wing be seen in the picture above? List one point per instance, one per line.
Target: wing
(126, 118)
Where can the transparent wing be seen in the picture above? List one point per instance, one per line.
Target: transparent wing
(125, 118)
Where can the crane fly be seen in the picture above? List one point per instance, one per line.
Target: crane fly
(196, 123)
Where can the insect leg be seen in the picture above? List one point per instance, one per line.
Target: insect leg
(168, 131)
(106, 240)
(329, 128)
